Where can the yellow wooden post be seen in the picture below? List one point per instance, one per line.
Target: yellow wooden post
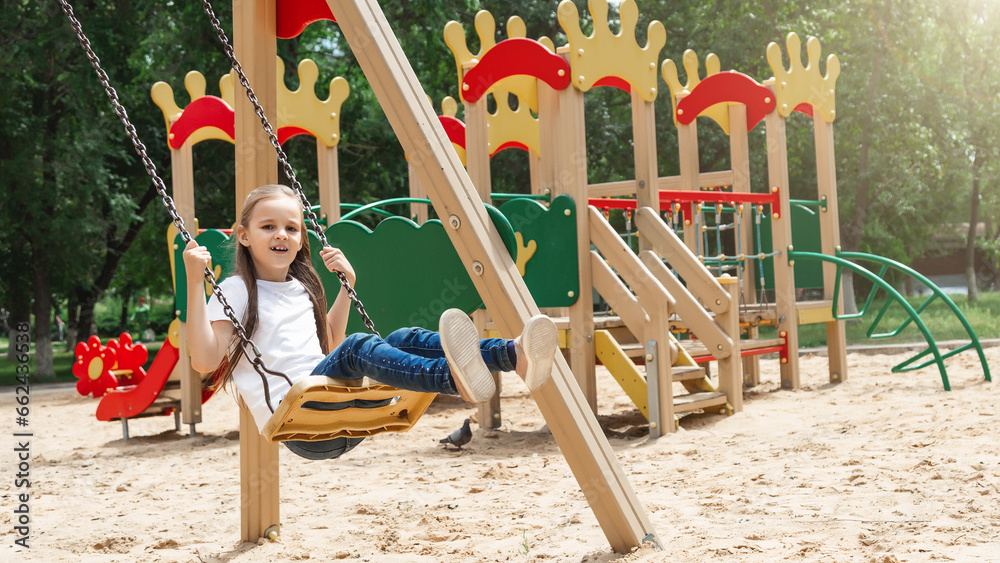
(493, 272)
(256, 47)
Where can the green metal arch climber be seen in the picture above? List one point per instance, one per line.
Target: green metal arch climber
(844, 260)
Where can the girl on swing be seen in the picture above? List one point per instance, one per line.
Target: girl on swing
(279, 298)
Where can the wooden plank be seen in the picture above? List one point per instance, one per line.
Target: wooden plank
(564, 324)
(259, 502)
(477, 147)
(739, 156)
(571, 179)
(646, 287)
(660, 333)
(730, 372)
(781, 234)
(697, 347)
(182, 188)
(829, 228)
(705, 180)
(256, 47)
(612, 189)
(489, 412)
(417, 210)
(688, 308)
(561, 401)
(698, 401)
(687, 373)
(548, 140)
(690, 169)
(621, 300)
(328, 172)
(669, 246)
(644, 149)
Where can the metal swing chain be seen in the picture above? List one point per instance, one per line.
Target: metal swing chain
(283, 159)
(247, 346)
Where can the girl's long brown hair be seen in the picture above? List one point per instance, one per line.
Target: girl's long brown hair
(300, 269)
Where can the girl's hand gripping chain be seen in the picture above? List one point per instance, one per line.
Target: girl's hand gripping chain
(335, 261)
(196, 259)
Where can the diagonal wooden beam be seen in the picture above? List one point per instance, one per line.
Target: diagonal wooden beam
(561, 402)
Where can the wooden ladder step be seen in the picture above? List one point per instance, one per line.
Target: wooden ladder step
(698, 401)
(687, 373)
(634, 350)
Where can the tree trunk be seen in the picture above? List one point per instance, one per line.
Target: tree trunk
(123, 318)
(970, 242)
(72, 326)
(85, 322)
(44, 369)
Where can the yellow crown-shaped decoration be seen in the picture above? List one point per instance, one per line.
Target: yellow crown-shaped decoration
(524, 87)
(605, 54)
(194, 83)
(803, 84)
(506, 125)
(719, 112)
(302, 109)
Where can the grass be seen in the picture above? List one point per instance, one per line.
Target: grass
(941, 322)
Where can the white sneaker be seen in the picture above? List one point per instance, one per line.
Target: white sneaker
(460, 341)
(536, 348)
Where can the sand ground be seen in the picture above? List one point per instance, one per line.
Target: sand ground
(881, 468)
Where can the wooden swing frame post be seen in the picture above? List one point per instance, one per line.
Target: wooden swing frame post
(255, 44)
(455, 199)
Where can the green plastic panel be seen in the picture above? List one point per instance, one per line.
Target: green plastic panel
(806, 238)
(407, 274)
(223, 255)
(552, 272)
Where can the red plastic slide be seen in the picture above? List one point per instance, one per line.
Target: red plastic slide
(130, 401)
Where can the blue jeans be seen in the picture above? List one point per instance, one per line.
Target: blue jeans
(409, 358)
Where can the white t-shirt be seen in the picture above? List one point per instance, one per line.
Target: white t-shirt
(286, 337)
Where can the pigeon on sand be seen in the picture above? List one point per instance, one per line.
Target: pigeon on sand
(459, 437)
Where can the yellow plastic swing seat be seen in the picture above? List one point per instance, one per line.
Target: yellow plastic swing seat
(295, 420)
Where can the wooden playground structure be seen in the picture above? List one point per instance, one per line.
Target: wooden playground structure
(678, 283)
